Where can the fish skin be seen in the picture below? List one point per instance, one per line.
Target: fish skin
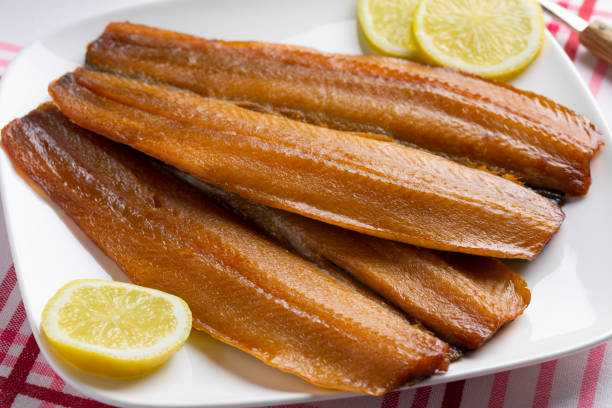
(463, 299)
(462, 116)
(241, 288)
(371, 186)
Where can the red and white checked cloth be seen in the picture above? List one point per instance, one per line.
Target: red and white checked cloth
(581, 380)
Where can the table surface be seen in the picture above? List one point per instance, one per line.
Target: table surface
(26, 380)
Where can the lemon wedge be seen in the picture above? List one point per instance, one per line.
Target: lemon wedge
(387, 26)
(115, 329)
(496, 39)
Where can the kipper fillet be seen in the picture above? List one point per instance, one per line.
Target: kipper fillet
(445, 111)
(464, 299)
(372, 186)
(241, 288)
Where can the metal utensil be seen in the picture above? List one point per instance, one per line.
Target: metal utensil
(596, 36)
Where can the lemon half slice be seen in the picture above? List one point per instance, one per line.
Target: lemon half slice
(115, 329)
(493, 38)
(387, 26)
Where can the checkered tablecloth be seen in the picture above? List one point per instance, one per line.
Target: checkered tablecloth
(26, 380)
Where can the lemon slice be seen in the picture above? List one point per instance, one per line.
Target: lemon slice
(115, 329)
(496, 39)
(387, 26)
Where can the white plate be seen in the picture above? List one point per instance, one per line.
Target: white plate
(570, 280)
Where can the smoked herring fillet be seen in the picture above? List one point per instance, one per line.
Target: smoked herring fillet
(464, 299)
(462, 116)
(241, 288)
(372, 186)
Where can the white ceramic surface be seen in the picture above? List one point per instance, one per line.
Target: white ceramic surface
(570, 280)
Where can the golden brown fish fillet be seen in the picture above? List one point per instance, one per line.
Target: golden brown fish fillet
(372, 186)
(445, 111)
(464, 299)
(241, 288)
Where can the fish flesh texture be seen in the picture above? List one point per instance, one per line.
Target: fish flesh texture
(465, 117)
(463, 299)
(242, 288)
(367, 185)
